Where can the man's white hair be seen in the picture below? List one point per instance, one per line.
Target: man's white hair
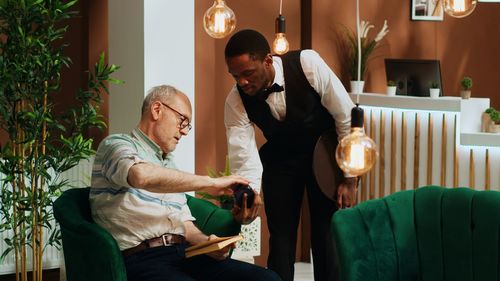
(163, 93)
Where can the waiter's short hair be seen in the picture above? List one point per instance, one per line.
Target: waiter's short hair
(247, 41)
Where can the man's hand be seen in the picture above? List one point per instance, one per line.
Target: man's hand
(222, 185)
(347, 193)
(245, 215)
(221, 254)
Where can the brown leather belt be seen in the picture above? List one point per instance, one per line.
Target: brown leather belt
(164, 240)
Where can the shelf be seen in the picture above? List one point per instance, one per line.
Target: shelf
(452, 104)
(480, 139)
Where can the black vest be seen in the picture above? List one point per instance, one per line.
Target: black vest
(306, 118)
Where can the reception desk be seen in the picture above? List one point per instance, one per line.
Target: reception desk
(424, 141)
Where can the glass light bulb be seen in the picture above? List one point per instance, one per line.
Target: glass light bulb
(459, 8)
(280, 44)
(219, 21)
(356, 153)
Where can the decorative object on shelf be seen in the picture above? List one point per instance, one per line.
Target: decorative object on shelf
(280, 43)
(224, 201)
(486, 120)
(359, 53)
(357, 86)
(466, 85)
(356, 153)
(490, 121)
(42, 142)
(391, 88)
(430, 10)
(434, 90)
(459, 8)
(219, 20)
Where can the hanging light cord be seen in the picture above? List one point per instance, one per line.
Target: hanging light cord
(281, 5)
(359, 49)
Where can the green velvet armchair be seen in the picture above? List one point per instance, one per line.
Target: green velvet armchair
(91, 253)
(432, 233)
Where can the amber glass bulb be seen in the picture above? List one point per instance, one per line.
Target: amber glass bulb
(356, 153)
(219, 21)
(459, 8)
(280, 44)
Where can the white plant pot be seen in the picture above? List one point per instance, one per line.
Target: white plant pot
(357, 87)
(391, 90)
(434, 93)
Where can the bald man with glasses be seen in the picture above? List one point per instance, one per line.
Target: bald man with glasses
(137, 194)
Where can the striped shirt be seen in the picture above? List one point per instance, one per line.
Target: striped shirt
(130, 214)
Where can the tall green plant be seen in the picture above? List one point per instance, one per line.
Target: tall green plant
(42, 143)
(367, 47)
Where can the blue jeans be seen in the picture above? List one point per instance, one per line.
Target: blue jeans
(169, 263)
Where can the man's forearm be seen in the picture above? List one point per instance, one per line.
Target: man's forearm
(158, 179)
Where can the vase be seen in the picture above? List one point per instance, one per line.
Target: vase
(465, 94)
(434, 93)
(391, 90)
(357, 87)
(485, 122)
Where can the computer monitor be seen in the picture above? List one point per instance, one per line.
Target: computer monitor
(413, 77)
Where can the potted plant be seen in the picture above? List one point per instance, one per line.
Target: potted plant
(391, 88)
(367, 47)
(41, 142)
(494, 124)
(466, 85)
(434, 89)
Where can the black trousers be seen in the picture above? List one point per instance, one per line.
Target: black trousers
(284, 181)
(169, 263)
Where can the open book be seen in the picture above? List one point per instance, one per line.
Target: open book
(212, 245)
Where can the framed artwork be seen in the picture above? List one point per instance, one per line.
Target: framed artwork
(427, 10)
(491, 1)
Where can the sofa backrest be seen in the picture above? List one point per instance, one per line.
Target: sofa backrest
(432, 233)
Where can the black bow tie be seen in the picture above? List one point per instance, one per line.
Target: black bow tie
(264, 94)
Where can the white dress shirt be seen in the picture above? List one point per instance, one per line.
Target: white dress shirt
(242, 148)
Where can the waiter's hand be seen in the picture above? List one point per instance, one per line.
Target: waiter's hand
(347, 193)
(245, 215)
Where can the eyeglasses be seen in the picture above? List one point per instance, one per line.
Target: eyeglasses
(184, 120)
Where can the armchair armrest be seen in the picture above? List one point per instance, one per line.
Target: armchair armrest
(211, 219)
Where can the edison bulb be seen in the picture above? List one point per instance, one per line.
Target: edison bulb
(280, 44)
(219, 21)
(356, 153)
(459, 8)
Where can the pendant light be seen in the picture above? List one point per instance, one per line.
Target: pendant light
(356, 153)
(219, 21)
(459, 8)
(280, 44)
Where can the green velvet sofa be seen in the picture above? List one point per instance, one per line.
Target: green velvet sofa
(91, 253)
(431, 233)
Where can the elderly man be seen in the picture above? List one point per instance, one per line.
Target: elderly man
(138, 196)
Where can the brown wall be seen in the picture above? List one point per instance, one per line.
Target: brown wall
(465, 47)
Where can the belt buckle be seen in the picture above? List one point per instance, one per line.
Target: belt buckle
(164, 239)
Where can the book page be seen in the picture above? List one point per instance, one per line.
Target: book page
(212, 245)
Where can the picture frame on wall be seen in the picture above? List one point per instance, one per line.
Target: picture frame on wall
(428, 10)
